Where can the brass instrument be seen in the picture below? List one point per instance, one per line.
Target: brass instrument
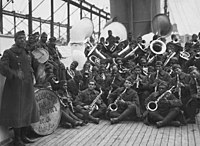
(133, 50)
(95, 56)
(171, 55)
(137, 81)
(93, 105)
(68, 99)
(153, 105)
(111, 88)
(156, 87)
(114, 106)
(161, 26)
(185, 55)
(197, 56)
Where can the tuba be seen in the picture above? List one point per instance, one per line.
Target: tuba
(197, 56)
(79, 34)
(118, 30)
(153, 105)
(162, 27)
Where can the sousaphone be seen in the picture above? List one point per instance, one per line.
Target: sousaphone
(80, 33)
(162, 27)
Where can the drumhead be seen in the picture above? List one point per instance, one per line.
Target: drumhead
(49, 111)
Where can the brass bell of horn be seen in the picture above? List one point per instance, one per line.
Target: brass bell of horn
(95, 55)
(161, 25)
(158, 47)
(197, 56)
(185, 55)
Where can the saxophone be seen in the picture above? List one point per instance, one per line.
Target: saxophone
(93, 105)
(114, 106)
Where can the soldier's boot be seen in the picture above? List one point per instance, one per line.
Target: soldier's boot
(17, 138)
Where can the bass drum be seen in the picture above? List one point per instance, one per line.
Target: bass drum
(49, 111)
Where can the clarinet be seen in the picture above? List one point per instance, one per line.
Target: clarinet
(111, 88)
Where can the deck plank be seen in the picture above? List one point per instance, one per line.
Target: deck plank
(159, 136)
(134, 135)
(147, 135)
(172, 136)
(129, 134)
(125, 133)
(191, 138)
(165, 136)
(184, 134)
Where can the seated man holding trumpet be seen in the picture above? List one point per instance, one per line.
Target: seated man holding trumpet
(124, 103)
(163, 107)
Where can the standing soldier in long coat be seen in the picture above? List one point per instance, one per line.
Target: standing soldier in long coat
(18, 108)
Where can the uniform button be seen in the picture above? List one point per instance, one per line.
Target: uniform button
(19, 63)
(17, 56)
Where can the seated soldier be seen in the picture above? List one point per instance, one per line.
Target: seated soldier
(192, 104)
(124, 103)
(84, 102)
(182, 90)
(68, 119)
(140, 85)
(168, 107)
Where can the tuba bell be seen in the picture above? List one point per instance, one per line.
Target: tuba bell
(158, 47)
(197, 56)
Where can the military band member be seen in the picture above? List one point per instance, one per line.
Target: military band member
(71, 71)
(85, 99)
(168, 107)
(18, 105)
(140, 85)
(126, 101)
(194, 84)
(158, 76)
(68, 119)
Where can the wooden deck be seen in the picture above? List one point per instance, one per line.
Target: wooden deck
(123, 134)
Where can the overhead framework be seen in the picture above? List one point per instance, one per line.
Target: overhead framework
(81, 4)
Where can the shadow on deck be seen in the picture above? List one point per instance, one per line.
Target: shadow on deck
(123, 134)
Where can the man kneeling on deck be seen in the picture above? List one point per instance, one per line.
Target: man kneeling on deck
(124, 103)
(163, 107)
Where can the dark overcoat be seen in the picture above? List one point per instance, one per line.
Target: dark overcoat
(18, 108)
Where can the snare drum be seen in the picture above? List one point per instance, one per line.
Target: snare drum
(49, 111)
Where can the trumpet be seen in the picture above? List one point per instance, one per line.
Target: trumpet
(114, 106)
(153, 105)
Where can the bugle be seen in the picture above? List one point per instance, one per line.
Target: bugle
(153, 105)
(114, 106)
